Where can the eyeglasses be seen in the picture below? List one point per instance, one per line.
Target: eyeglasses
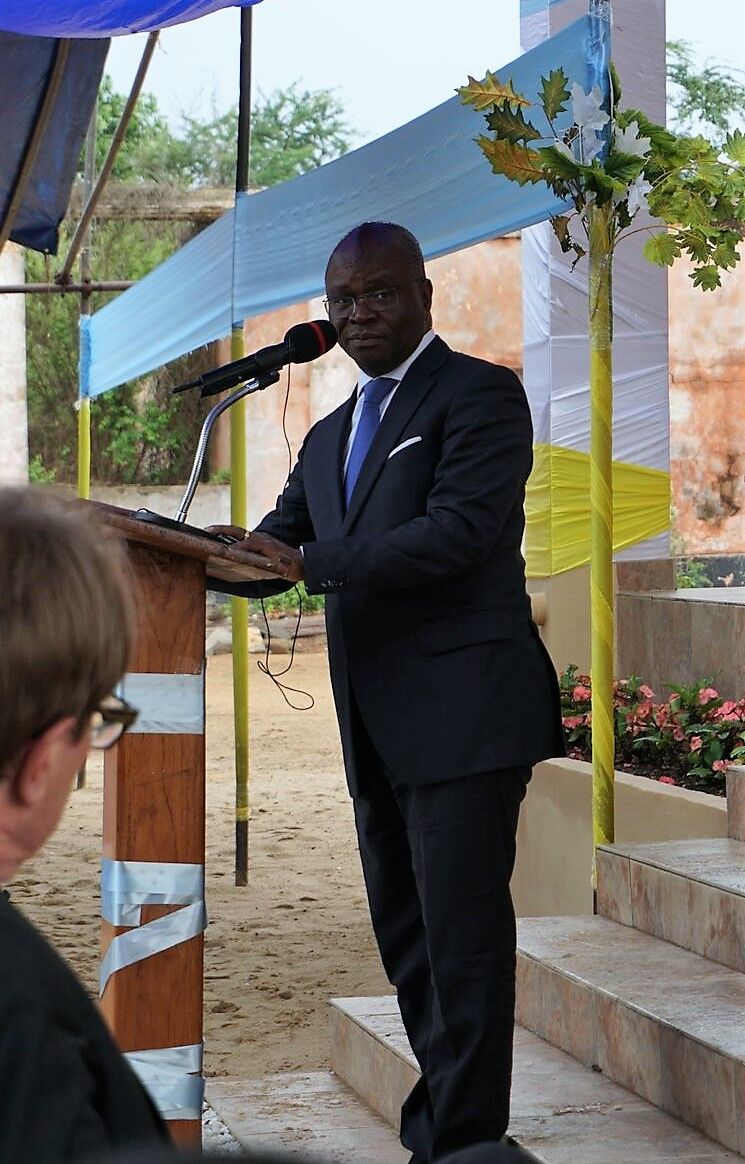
(381, 301)
(110, 721)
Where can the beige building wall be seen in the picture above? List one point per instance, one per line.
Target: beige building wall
(707, 412)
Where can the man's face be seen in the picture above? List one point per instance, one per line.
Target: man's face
(378, 340)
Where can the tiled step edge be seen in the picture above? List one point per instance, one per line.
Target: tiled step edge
(562, 1113)
(691, 893)
(658, 1020)
(369, 1052)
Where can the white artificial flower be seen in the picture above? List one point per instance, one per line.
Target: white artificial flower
(638, 191)
(588, 108)
(592, 144)
(627, 141)
(589, 116)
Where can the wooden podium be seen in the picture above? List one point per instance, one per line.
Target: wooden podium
(154, 818)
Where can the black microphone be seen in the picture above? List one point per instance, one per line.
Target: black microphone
(303, 342)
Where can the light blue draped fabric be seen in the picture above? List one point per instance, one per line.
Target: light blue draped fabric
(103, 18)
(429, 175)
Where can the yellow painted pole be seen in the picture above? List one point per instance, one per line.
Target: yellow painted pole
(239, 617)
(601, 522)
(84, 447)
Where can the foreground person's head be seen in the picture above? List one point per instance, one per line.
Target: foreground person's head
(378, 296)
(66, 633)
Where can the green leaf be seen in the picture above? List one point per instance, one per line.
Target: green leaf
(624, 167)
(707, 277)
(516, 162)
(489, 92)
(734, 146)
(662, 249)
(615, 86)
(554, 93)
(510, 125)
(558, 164)
(560, 224)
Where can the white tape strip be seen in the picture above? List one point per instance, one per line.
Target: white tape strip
(169, 704)
(171, 1076)
(128, 885)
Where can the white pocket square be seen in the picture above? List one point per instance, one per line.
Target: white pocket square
(404, 445)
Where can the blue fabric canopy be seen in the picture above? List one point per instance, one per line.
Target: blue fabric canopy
(25, 66)
(103, 18)
(271, 250)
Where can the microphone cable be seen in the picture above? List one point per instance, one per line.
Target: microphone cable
(264, 665)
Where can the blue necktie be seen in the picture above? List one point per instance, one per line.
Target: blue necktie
(375, 392)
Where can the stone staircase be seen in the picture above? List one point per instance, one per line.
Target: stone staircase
(643, 1006)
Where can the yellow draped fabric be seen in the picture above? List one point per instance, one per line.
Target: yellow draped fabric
(558, 508)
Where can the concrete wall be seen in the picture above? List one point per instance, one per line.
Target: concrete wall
(707, 412)
(13, 422)
(554, 844)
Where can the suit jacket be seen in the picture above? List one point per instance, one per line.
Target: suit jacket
(428, 621)
(68, 1093)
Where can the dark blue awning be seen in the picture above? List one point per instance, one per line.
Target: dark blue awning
(26, 65)
(103, 18)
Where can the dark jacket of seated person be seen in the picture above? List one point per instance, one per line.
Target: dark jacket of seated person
(68, 1093)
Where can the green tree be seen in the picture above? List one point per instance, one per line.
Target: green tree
(150, 152)
(710, 101)
(292, 131)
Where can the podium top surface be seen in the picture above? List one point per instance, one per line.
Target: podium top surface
(229, 563)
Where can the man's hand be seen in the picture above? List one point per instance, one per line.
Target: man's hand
(281, 560)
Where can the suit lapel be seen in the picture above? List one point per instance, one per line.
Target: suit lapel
(408, 396)
(332, 435)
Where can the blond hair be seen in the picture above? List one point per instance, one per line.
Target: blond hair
(66, 621)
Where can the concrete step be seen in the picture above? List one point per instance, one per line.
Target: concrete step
(661, 1021)
(562, 1112)
(691, 893)
(308, 1114)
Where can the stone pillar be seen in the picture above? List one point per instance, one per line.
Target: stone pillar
(13, 414)
(555, 318)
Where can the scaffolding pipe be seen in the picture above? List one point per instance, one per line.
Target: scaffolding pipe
(93, 197)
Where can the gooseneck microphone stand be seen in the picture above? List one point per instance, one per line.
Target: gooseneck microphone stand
(255, 385)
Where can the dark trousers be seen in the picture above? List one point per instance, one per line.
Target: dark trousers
(437, 861)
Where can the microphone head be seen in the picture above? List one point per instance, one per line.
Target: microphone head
(308, 341)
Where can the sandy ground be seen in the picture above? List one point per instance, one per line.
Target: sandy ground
(299, 934)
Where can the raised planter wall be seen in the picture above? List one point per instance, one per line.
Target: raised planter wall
(554, 843)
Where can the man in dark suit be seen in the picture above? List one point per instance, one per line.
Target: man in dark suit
(406, 509)
(66, 633)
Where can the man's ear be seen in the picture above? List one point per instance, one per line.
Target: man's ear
(41, 760)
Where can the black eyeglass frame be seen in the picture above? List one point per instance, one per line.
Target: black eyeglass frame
(114, 712)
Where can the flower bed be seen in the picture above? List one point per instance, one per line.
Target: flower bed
(689, 739)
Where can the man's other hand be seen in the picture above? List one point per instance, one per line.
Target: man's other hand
(281, 560)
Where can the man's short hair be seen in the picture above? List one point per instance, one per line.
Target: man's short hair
(66, 622)
(381, 233)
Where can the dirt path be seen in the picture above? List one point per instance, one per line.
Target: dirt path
(299, 934)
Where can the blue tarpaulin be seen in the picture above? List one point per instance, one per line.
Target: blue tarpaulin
(103, 18)
(25, 65)
(271, 250)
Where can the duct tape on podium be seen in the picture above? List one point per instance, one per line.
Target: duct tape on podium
(172, 1077)
(128, 885)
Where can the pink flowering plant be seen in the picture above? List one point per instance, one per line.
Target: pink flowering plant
(691, 738)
